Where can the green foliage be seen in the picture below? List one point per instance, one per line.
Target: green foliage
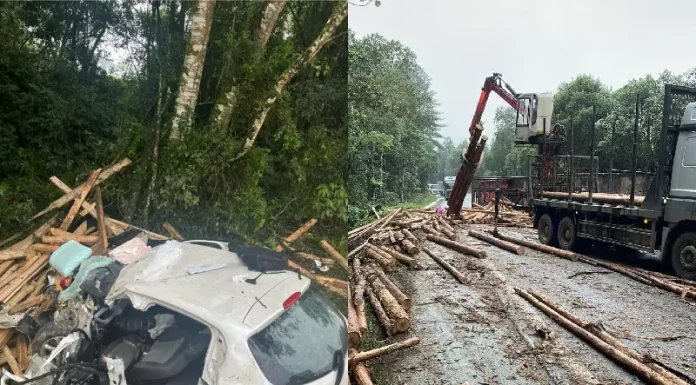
(393, 125)
(62, 113)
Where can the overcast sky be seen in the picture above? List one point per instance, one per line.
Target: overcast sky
(535, 44)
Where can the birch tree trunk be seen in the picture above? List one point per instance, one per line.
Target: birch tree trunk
(339, 14)
(226, 107)
(201, 20)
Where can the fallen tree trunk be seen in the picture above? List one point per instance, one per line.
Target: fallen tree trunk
(381, 315)
(634, 366)
(538, 246)
(460, 277)
(460, 247)
(519, 250)
(400, 297)
(374, 353)
(402, 321)
(359, 287)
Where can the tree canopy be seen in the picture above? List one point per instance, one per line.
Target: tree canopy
(393, 125)
(86, 83)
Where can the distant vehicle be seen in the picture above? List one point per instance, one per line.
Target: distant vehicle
(434, 188)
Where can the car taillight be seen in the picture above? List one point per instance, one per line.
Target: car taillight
(291, 299)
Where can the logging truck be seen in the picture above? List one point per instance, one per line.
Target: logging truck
(570, 213)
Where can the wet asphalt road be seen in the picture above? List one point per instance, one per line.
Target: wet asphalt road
(483, 333)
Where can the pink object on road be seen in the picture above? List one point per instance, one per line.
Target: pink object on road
(441, 210)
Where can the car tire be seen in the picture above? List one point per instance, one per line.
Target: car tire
(684, 255)
(545, 230)
(48, 332)
(566, 234)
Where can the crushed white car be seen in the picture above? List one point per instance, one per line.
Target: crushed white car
(190, 314)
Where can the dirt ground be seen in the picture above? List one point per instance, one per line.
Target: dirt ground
(483, 333)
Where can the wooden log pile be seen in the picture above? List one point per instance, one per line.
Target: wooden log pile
(24, 264)
(508, 215)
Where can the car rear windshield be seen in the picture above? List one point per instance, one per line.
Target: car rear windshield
(301, 345)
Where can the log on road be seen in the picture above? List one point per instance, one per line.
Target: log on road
(354, 334)
(634, 366)
(538, 246)
(406, 260)
(357, 357)
(460, 277)
(517, 249)
(387, 264)
(361, 375)
(462, 248)
(409, 247)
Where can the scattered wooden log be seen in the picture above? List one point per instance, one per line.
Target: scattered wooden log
(357, 357)
(460, 277)
(409, 247)
(360, 283)
(538, 246)
(462, 248)
(633, 365)
(84, 190)
(312, 257)
(406, 260)
(361, 375)
(618, 199)
(23, 352)
(168, 226)
(40, 247)
(380, 313)
(354, 335)
(400, 297)
(357, 249)
(387, 264)
(67, 198)
(517, 249)
(408, 234)
(334, 254)
(402, 321)
(12, 361)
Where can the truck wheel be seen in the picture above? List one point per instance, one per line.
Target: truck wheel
(545, 230)
(566, 234)
(684, 255)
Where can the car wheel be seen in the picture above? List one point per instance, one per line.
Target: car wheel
(684, 255)
(545, 230)
(566, 233)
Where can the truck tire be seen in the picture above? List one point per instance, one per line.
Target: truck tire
(545, 230)
(684, 255)
(566, 234)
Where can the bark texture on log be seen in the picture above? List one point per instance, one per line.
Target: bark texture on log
(374, 353)
(402, 321)
(517, 249)
(634, 366)
(361, 375)
(406, 260)
(201, 21)
(334, 254)
(462, 248)
(409, 247)
(460, 277)
(387, 264)
(340, 13)
(381, 315)
(354, 334)
(360, 282)
(402, 298)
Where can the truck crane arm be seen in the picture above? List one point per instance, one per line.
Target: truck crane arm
(496, 84)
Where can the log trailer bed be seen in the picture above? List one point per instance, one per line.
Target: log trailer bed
(664, 219)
